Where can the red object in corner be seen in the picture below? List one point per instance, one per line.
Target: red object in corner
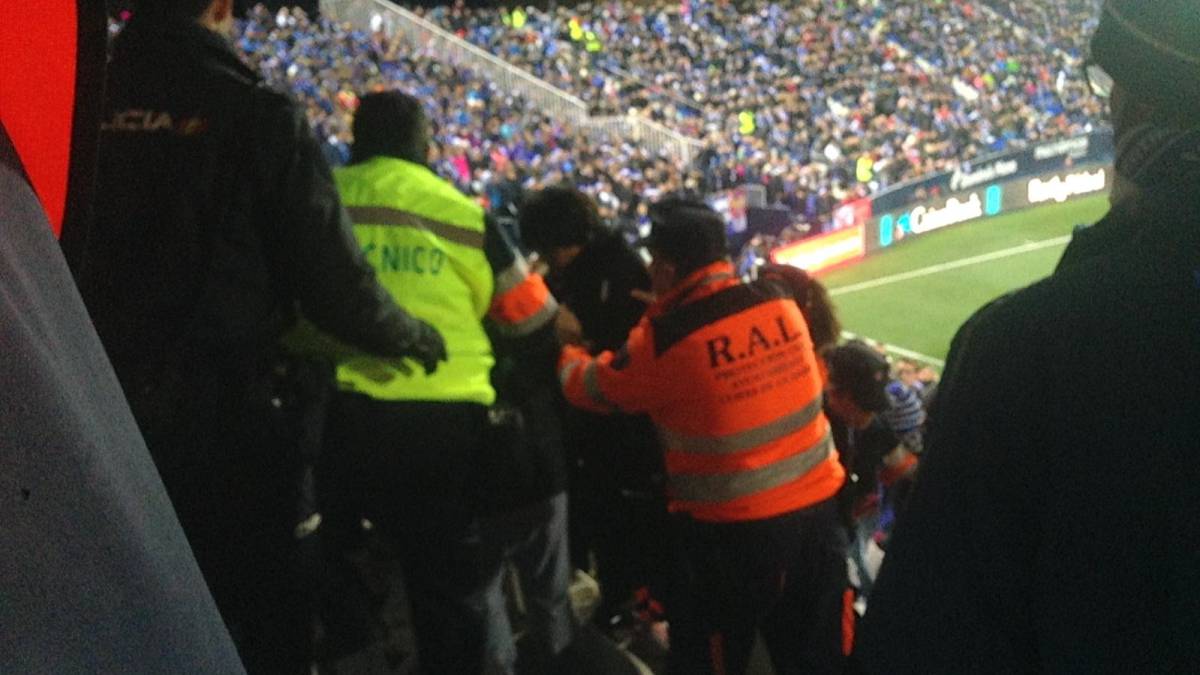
(38, 44)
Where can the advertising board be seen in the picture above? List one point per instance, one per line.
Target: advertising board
(1011, 195)
(1060, 155)
(824, 251)
(936, 214)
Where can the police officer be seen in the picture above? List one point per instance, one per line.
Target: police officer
(97, 575)
(1053, 526)
(726, 371)
(406, 448)
(216, 222)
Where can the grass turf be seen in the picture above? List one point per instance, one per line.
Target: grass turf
(922, 314)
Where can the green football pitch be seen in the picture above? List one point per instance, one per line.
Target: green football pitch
(915, 295)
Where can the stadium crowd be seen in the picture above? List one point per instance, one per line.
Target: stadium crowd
(820, 102)
(1060, 25)
(491, 143)
(807, 95)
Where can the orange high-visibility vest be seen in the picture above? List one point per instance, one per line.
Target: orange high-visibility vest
(726, 371)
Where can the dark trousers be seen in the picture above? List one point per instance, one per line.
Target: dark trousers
(408, 467)
(234, 484)
(617, 510)
(784, 577)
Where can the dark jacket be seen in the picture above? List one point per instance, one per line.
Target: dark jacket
(615, 451)
(216, 215)
(525, 461)
(597, 285)
(1055, 525)
(96, 576)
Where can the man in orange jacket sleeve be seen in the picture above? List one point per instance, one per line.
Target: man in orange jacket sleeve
(726, 370)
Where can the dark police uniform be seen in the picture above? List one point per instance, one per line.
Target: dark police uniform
(216, 220)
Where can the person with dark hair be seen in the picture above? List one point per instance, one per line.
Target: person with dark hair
(856, 402)
(813, 299)
(617, 510)
(726, 370)
(1054, 524)
(216, 225)
(592, 269)
(391, 125)
(420, 455)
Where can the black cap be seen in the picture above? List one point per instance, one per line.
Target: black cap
(1151, 48)
(687, 232)
(862, 372)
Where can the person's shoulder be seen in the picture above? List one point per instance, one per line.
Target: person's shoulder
(610, 254)
(271, 101)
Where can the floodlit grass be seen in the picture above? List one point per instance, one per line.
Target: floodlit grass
(922, 314)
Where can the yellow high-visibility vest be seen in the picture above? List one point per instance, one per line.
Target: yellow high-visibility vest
(425, 240)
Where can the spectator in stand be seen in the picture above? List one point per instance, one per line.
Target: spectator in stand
(906, 417)
(813, 299)
(1054, 526)
(619, 512)
(855, 402)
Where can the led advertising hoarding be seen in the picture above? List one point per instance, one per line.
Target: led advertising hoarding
(824, 251)
(962, 207)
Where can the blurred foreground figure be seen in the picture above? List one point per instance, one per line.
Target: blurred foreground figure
(217, 223)
(727, 372)
(96, 575)
(1054, 525)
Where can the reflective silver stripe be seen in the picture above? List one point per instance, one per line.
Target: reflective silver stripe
(742, 440)
(383, 215)
(565, 374)
(527, 326)
(591, 384)
(723, 487)
(511, 277)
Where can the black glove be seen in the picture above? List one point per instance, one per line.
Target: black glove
(427, 347)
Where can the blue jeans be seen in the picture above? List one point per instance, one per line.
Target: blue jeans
(534, 538)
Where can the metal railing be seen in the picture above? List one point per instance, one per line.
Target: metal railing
(424, 36)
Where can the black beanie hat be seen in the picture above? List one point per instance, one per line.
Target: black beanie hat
(687, 232)
(1151, 48)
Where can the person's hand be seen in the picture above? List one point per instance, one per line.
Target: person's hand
(427, 348)
(647, 297)
(567, 326)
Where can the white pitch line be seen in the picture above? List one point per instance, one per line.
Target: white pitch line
(916, 356)
(952, 265)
